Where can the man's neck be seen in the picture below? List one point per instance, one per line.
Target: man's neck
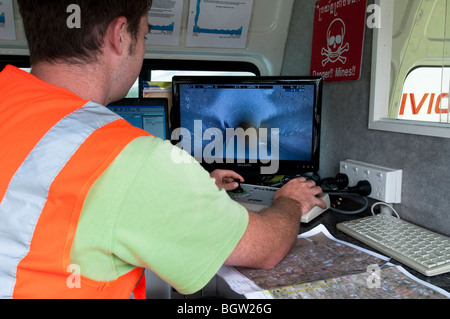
(88, 81)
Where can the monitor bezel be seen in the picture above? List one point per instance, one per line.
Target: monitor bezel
(286, 167)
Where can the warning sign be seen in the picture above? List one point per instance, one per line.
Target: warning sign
(338, 39)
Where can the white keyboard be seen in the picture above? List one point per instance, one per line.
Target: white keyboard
(422, 250)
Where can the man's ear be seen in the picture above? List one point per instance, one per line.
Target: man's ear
(116, 35)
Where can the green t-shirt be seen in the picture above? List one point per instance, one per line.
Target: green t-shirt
(149, 210)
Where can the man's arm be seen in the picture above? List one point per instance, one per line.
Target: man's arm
(271, 233)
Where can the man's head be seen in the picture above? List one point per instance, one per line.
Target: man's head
(50, 39)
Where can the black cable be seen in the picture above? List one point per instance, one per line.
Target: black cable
(363, 201)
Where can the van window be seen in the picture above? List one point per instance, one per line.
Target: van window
(164, 70)
(421, 53)
(411, 68)
(166, 75)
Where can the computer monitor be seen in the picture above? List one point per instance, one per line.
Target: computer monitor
(149, 114)
(252, 125)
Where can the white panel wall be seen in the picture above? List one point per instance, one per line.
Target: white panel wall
(265, 44)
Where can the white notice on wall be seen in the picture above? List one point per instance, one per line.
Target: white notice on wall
(165, 19)
(7, 29)
(219, 24)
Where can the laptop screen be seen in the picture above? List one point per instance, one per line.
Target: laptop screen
(151, 115)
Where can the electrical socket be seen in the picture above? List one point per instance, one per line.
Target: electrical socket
(386, 183)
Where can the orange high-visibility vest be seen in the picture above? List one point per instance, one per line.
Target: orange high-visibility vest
(53, 147)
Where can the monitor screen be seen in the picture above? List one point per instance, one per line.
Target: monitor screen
(149, 114)
(252, 125)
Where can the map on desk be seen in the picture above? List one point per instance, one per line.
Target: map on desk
(320, 266)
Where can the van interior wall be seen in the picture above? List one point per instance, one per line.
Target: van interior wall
(345, 134)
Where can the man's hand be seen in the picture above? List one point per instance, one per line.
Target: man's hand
(304, 192)
(226, 179)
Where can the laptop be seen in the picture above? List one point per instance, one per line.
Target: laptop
(149, 114)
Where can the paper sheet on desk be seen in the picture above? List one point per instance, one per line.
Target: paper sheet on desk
(320, 266)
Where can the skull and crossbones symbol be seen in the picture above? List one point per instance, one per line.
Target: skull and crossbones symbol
(335, 43)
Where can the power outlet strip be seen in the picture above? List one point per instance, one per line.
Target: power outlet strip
(386, 183)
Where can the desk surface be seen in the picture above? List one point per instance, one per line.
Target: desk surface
(330, 219)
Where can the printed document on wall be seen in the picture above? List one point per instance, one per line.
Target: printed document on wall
(7, 29)
(219, 24)
(165, 19)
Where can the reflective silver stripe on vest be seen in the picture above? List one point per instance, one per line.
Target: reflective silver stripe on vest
(28, 190)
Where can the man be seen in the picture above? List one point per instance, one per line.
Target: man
(87, 200)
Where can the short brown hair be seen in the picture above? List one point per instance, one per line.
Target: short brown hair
(50, 39)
